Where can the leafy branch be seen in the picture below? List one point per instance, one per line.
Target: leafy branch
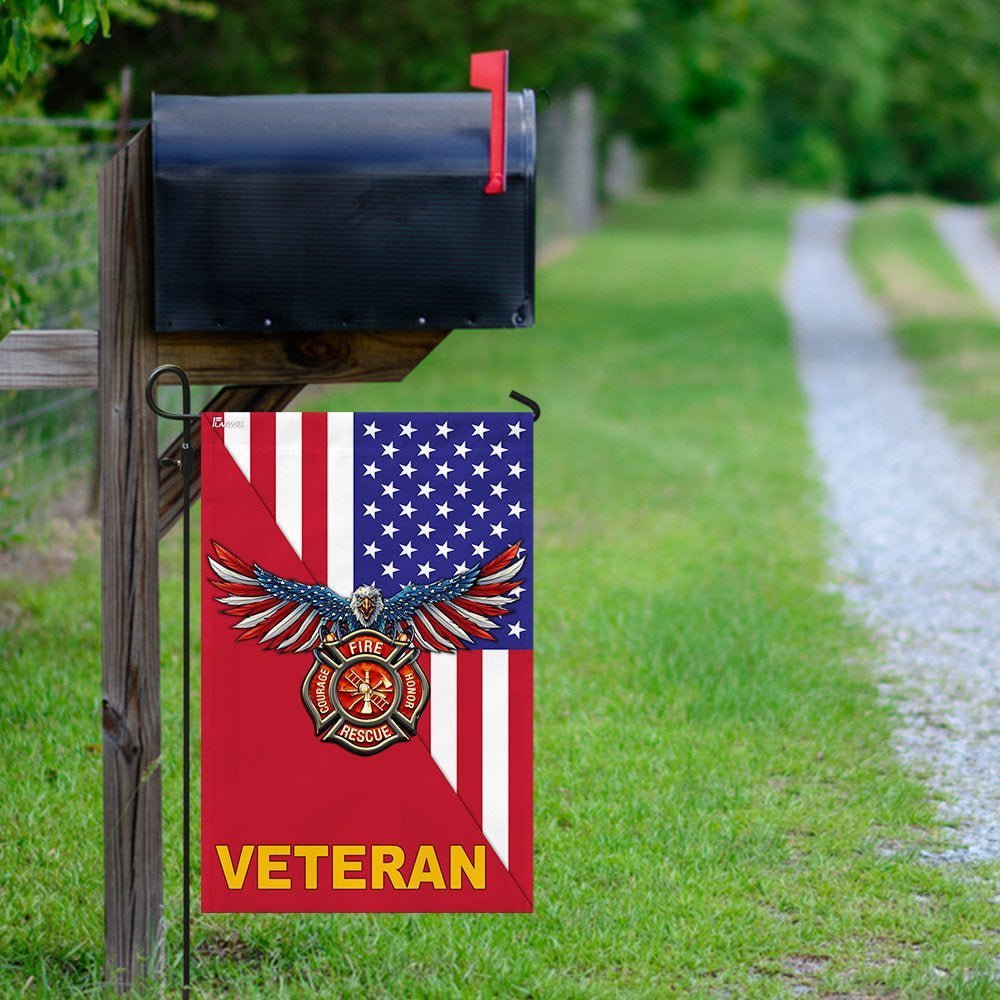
(33, 30)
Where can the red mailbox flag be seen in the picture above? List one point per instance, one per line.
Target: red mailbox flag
(488, 71)
(366, 662)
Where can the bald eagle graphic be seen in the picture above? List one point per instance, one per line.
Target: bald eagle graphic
(441, 616)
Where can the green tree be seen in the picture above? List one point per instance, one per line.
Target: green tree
(344, 46)
(868, 96)
(33, 32)
(28, 28)
(678, 65)
(944, 109)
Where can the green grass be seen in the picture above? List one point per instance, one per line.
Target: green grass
(719, 811)
(940, 321)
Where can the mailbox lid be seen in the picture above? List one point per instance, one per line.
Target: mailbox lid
(317, 212)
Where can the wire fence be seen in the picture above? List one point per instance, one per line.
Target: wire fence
(48, 232)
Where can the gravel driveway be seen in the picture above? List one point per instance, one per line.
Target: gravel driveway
(967, 232)
(917, 531)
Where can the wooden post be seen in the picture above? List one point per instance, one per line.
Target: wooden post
(124, 106)
(262, 370)
(133, 834)
(121, 139)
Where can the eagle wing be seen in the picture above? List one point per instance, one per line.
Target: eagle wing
(278, 613)
(452, 614)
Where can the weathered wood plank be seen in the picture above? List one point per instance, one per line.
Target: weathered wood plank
(133, 836)
(53, 359)
(257, 358)
(48, 359)
(233, 397)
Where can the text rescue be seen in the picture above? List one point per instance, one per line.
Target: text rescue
(351, 866)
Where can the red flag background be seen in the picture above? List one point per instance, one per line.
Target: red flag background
(442, 822)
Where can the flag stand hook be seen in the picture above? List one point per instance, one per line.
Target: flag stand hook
(185, 465)
(519, 397)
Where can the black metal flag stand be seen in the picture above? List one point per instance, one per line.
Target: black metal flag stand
(185, 464)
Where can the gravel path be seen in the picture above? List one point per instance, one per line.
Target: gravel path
(918, 533)
(967, 232)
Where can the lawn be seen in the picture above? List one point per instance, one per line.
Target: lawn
(719, 811)
(940, 321)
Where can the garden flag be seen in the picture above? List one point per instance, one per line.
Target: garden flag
(366, 662)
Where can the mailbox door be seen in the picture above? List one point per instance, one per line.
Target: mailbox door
(320, 212)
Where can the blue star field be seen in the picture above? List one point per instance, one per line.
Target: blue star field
(436, 494)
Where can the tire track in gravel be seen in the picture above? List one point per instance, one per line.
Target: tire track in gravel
(917, 545)
(966, 231)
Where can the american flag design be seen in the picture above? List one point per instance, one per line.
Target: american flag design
(323, 504)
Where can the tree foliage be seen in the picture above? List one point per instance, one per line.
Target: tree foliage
(28, 26)
(860, 95)
(33, 32)
(346, 45)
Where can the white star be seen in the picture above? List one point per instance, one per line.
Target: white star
(425, 569)
(516, 630)
(462, 568)
(389, 529)
(480, 470)
(498, 449)
(407, 429)
(461, 490)
(517, 591)
(389, 570)
(371, 470)
(371, 430)
(407, 509)
(498, 529)
(389, 449)
(516, 469)
(425, 449)
(443, 430)
(516, 430)
(370, 550)
(406, 550)
(462, 449)
(479, 550)
(444, 549)
(407, 470)
(480, 510)
(443, 509)
(390, 491)
(426, 490)
(462, 529)
(479, 430)
(498, 490)
(444, 470)
(516, 509)
(371, 510)
(425, 529)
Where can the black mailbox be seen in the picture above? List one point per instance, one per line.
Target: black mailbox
(355, 212)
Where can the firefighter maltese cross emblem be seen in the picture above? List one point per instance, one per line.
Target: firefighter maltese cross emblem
(365, 691)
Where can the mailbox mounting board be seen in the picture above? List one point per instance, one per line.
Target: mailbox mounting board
(357, 212)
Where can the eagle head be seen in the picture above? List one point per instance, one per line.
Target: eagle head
(366, 603)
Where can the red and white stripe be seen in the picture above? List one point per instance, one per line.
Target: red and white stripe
(479, 734)
(478, 723)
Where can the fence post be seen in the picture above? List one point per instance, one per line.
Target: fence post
(121, 138)
(127, 352)
(124, 106)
